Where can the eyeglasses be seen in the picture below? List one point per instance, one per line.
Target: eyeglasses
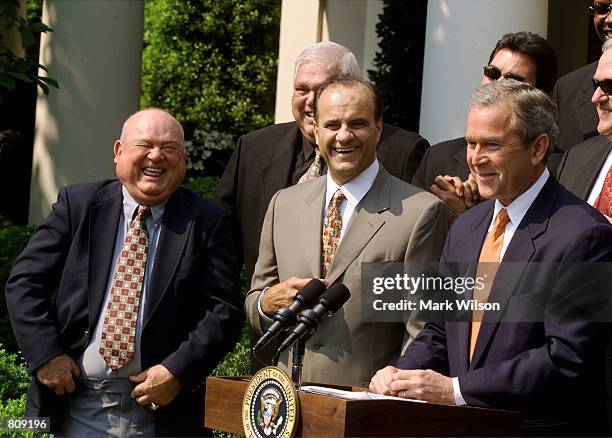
(600, 9)
(494, 73)
(604, 84)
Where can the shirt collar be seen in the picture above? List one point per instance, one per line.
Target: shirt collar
(355, 189)
(518, 208)
(130, 205)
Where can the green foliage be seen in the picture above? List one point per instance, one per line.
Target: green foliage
(13, 239)
(200, 150)
(238, 361)
(14, 378)
(212, 63)
(205, 186)
(399, 60)
(15, 68)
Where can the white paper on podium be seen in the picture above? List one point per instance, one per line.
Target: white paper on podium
(350, 395)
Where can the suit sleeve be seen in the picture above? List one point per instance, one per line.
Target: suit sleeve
(31, 283)
(266, 270)
(216, 333)
(571, 357)
(428, 349)
(420, 176)
(414, 157)
(226, 195)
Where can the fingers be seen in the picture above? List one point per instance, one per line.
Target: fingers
(381, 381)
(282, 294)
(159, 386)
(57, 374)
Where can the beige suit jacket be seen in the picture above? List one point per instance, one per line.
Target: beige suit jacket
(395, 221)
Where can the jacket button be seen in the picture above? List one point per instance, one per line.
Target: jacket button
(86, 333)
(316, 345)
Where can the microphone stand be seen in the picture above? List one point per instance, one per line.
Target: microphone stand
(298, 362)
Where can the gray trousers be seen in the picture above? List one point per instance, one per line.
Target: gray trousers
(102, 408)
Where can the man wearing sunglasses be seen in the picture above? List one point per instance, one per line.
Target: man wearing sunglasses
(586, 168)
(522, 56)
(577, 117)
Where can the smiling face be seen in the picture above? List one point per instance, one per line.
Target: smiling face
(514, 63)
(603, 23)
(503, 166)
(150, 156)
(346, 130)
(600, 99)
(308, 79)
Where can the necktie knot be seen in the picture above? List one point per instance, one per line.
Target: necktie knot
(337, 199)
(315, 169)
(501, 220)
(142, 212)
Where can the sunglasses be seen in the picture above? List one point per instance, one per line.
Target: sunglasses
(600, 9)
(604, 84)
(494, 73)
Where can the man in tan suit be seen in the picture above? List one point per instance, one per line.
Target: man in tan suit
(328, 227)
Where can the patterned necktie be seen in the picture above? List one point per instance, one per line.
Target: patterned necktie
(488, 263)
(119, 330)
(331, 231)
(314, 171)
(604, 200)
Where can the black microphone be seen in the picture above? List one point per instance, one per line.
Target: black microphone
(287, 316)
(310, 319)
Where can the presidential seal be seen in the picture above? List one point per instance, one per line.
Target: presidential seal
(270, 407)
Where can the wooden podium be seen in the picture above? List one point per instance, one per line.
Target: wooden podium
(335, 417)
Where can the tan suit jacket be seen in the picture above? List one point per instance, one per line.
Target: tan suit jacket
(395, 221)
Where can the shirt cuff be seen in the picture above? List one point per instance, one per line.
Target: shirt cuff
(459, 400)
(264, 320)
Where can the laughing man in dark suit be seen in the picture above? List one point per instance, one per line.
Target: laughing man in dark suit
(181, 279)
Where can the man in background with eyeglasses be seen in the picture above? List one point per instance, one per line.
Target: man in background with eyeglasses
(522, 56)
(586, 168)
(577, 117)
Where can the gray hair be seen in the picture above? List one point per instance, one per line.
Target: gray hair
(335, 58)
(606, 45)
(533, 113)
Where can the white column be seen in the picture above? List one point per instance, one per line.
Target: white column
(300, 27)
(459, 38)
(94, 52)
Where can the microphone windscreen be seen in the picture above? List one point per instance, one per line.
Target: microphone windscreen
(335, 297)
(311, 292)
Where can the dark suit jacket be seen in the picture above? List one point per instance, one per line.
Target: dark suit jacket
(581, 165)
(446, 158)
(193, 312)
(551, 369)
(577, 115)
(262, 164)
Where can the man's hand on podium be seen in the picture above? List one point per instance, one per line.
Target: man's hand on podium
(415, 384)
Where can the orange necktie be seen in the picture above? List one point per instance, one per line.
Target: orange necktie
(488, 263)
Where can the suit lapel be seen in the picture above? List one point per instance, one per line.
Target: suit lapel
(519, 253)
(175, 227)
(366, 221)
(461, 159)
(103, 224)
(589, 171)
(312, 213)
(276, 173)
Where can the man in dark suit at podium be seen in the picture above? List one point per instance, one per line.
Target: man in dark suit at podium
(551, 369)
